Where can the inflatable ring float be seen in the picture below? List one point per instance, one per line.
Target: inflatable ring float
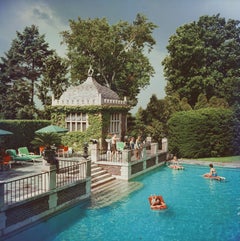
(218, 178)
(156, 202)
(176, 167)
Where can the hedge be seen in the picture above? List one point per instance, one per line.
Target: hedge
(208, 132)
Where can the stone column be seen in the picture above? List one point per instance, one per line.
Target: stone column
(1, 194)
(52, 177)
(94, 153)
(88, 169)
(165, 144)
(126, 155)
(144, 153)
(154, 148)
(49, 180)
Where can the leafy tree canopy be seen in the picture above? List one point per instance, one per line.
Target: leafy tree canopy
(116, 53)
(21, 74)
(204, 58)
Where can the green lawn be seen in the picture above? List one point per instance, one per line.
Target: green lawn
(221, 159)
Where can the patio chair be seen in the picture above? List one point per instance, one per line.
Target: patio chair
(23, 151)
(17, 158)
(63, 151)
(120, 146)
(41, 149)
(5, 163)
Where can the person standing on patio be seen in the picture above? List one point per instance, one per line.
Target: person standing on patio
(132, 144)
(114, 144)
(138, 147)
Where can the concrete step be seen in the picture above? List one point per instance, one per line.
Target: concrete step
(115, 187)
(105, 186)
(113, 191)
(101, 177)
(95, 168)
(98, 173)
(102, 181)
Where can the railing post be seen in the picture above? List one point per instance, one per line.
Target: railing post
(1, 194)
(154, 148)
(49, 181)
(144, 153)
(164, 144)
(52, 177)
(94, 153)
(126, 155)
(88, 167)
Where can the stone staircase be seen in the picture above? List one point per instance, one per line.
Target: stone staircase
(99, 176)
(107, 189)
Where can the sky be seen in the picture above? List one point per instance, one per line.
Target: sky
(52, 17)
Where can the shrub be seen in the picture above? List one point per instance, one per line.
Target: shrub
(201, 133)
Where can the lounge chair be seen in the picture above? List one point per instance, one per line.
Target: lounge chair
(23, 151)
(17, 158)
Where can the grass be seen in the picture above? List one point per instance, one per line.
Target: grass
(221, 159)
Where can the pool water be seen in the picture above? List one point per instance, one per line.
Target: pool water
(198, 209)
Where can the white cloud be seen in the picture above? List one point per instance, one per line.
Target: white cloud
(48, 22)
(41, 15)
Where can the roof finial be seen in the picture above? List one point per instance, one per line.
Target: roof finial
(90, 71)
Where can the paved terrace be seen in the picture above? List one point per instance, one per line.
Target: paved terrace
(21, 170)
(25, 169)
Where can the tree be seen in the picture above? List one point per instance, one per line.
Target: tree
(204, 58)
(116, 53)
(46, 139)
(22, 71)
(54, 79)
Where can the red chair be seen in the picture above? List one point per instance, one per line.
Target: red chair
(62, 151)
(41, 149)
(6, 162)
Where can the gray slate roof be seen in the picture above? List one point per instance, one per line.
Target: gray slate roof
(89, 92)
(106, 92)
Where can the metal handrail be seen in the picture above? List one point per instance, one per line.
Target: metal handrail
(31, 186)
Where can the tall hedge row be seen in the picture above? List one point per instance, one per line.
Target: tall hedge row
(23, 132)
(208, 132)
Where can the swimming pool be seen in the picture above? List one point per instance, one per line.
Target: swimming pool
(198, 209)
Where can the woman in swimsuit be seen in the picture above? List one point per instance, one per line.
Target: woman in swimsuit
(213, 172)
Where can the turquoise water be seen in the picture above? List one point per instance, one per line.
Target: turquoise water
(198, 209)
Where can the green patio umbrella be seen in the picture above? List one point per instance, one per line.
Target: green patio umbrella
(52, 129)
(5, 133)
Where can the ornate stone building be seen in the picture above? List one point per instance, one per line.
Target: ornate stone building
(78, 104)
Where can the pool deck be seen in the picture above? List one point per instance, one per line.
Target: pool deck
(20, 170)
(235, 164)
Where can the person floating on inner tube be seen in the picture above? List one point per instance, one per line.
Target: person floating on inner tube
(212, 173)
(156, 202)
(174, 164)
